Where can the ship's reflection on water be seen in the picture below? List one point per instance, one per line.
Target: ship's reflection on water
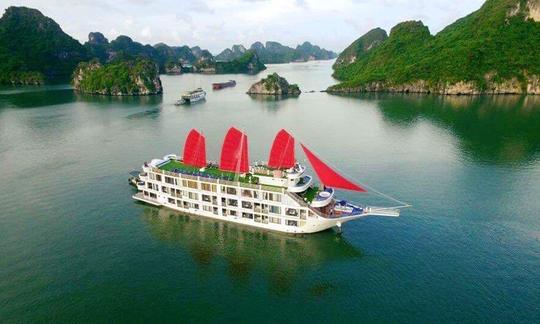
(281, 259)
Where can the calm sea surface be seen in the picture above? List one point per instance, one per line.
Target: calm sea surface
(74, 246)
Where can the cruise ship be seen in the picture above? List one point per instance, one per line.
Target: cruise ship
(277, 195)
(191, 97)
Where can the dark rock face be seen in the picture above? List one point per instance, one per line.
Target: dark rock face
(33, 48)
(96, 38)
(274, 85)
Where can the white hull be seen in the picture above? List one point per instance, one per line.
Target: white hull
(262, 206)
(311, 226)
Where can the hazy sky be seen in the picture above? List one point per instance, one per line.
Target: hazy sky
(217, 24)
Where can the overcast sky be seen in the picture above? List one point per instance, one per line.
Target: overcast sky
(217, 24)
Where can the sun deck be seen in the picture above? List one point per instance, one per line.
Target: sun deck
(211, 171)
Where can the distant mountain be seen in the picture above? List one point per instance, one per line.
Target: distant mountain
(309, 52)
(33, 48)
(495, 49)
(274, 52)
(249, 62)
(232, 53)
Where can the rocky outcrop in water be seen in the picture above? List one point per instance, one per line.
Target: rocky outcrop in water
(274, 85)
(493, 50)
(124, 78)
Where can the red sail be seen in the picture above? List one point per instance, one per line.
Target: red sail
(234, 152)
(282, 152)
(328, 176)
(195, 149)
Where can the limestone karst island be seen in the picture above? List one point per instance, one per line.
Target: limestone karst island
(270, 161)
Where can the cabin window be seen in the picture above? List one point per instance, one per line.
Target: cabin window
(232, 202)
(247, 204)
(214, 200)
(145, 193)
(153, 195)
(215, 210)
(303, 214)
(275, 220)
(256, 194)
(275, 209)
(152, 176)
(208, 187)
(179, 203)
(164, 189)
(178, 193)
(206, 198)
(291, 212)
(149, 185)
(231, 191)
(247, 193)
(272, 196)
(264, 219)
(192, 184)
(207, 208)
(169, 180)
(171, 200)
(232, 212)
(247, 215)
(258, 218)
(158, 177)
(291, 223)
(193, 195)
(224, 212)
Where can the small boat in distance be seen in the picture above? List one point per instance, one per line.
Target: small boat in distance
(191, 97)
(221, 85)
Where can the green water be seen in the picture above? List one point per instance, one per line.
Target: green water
(74, 246)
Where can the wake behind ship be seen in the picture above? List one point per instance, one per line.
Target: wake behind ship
(277, 196)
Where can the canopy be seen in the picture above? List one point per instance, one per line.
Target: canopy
(234, 152)
(328, 176)
(195, 149)
(282, 152)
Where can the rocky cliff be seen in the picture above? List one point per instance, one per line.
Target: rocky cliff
(123, 78)
(494, 50)
(274, 85)
(34, 49)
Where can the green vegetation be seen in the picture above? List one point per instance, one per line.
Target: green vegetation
(247, 63)
(33, 48)
(130, 77)
(496, 43)
(212, 171)
(274, 85)
(360, 47)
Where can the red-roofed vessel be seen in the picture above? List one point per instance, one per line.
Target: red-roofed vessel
(277, 195)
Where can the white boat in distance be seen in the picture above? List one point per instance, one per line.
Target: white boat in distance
(277, 195)
(191, 97)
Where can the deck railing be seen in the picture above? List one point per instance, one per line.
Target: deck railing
(304, 204)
